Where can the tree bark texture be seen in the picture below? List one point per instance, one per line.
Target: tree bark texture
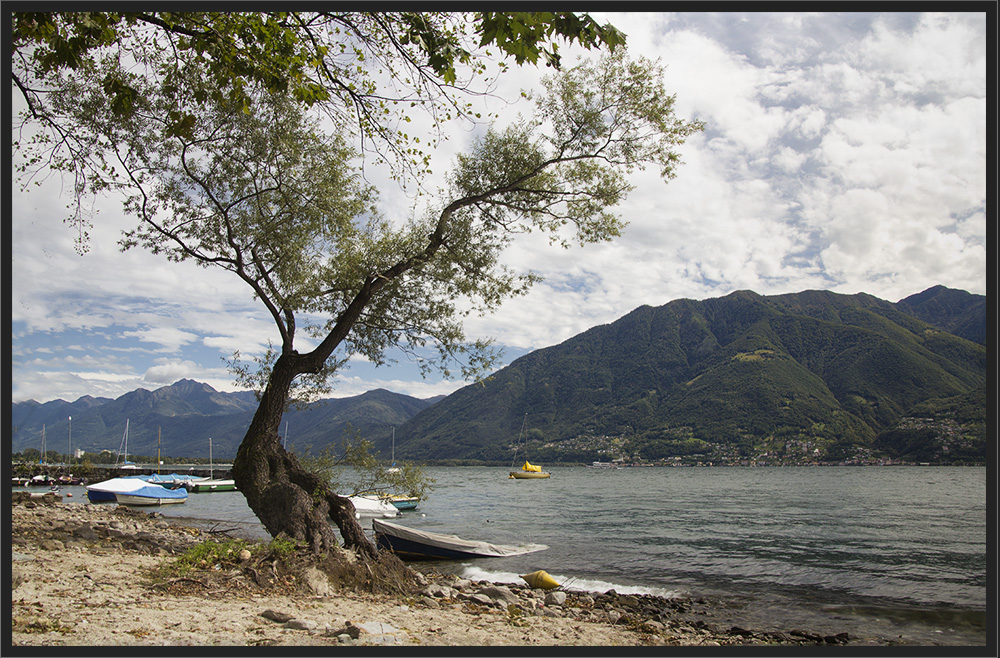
(285, 497)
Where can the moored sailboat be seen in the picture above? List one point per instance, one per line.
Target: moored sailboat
(528, 471)
(211, 484)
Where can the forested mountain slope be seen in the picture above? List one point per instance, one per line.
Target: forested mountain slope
(816, 366)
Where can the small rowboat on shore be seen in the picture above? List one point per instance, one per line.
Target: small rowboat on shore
(413, 544)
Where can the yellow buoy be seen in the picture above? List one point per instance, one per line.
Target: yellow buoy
(540, 580)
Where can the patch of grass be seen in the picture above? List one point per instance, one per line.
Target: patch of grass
(224, 556)
(237, 565)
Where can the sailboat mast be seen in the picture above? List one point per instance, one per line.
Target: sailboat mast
(41, 458)
(158, 462)
(211, 471)
(520, 436)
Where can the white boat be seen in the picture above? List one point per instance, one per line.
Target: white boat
(107, 491)
(410, 543)
(372, 506)
(399, 501)
(173, 480)
(210, 484)
(151, 494)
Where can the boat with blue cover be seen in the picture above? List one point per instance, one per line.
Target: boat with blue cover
(106, 491)
(152, 494)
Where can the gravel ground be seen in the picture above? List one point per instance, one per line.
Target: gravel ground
(81, 576)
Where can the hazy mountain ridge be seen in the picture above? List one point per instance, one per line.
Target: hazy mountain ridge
(182, 417)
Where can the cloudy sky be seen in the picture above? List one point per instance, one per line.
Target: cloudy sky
(844, 152)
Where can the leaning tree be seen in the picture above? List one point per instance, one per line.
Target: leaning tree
(259, 186)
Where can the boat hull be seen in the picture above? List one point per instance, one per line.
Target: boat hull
(413, 544)
(151, 494)
(101, 496)
(399, 501)
(373, 506)
(132, 499)
(528, 475)
(211, 486)
(402, 503)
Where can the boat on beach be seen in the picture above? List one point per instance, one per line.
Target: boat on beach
(151, 494)
(413, 544)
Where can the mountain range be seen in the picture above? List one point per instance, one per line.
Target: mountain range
(181, 418)
(733, 373)
(835, 371)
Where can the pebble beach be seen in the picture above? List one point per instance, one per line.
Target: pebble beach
(81, 577)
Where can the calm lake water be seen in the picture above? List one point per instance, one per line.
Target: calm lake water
(874, 551)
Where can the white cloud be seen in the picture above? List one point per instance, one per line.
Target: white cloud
(843, 151)
(169, 372)
(168, 338)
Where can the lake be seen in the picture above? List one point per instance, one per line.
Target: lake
(874, 551)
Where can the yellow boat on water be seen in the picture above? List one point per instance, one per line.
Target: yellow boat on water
(528, 472)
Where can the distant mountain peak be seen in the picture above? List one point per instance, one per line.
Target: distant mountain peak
(191, 385)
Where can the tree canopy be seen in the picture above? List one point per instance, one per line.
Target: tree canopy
(367, 72)
(239, 172)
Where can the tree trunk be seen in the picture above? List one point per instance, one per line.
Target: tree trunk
(285, 497)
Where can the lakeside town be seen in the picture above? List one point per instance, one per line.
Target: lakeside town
(951, 443)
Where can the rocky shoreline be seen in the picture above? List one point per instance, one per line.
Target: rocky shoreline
(80, 577)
